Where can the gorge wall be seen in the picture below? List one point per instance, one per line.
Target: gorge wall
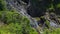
(38, 8)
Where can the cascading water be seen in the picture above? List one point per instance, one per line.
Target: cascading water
(22, 10)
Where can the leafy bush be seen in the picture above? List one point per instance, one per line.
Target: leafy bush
(8, 16)
(2, 5)
(52, 31)
(15, 23)
(17, 29)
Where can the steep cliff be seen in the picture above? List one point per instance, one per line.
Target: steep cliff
(19, 16)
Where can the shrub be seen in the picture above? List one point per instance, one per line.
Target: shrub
(2, 5)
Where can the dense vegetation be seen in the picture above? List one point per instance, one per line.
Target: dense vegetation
(15, 23)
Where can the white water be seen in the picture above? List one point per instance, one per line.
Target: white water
(22, 10)
(53, 24)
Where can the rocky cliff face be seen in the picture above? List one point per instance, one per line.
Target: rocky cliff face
(34, 8)
(37, 8)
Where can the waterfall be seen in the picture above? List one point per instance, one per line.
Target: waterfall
(22, 10)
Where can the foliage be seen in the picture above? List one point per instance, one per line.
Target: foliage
(47, 23)
(58, 5)
(17, 28)
(8, 16)
(16, 24)
(52, 31)
(2, 5)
